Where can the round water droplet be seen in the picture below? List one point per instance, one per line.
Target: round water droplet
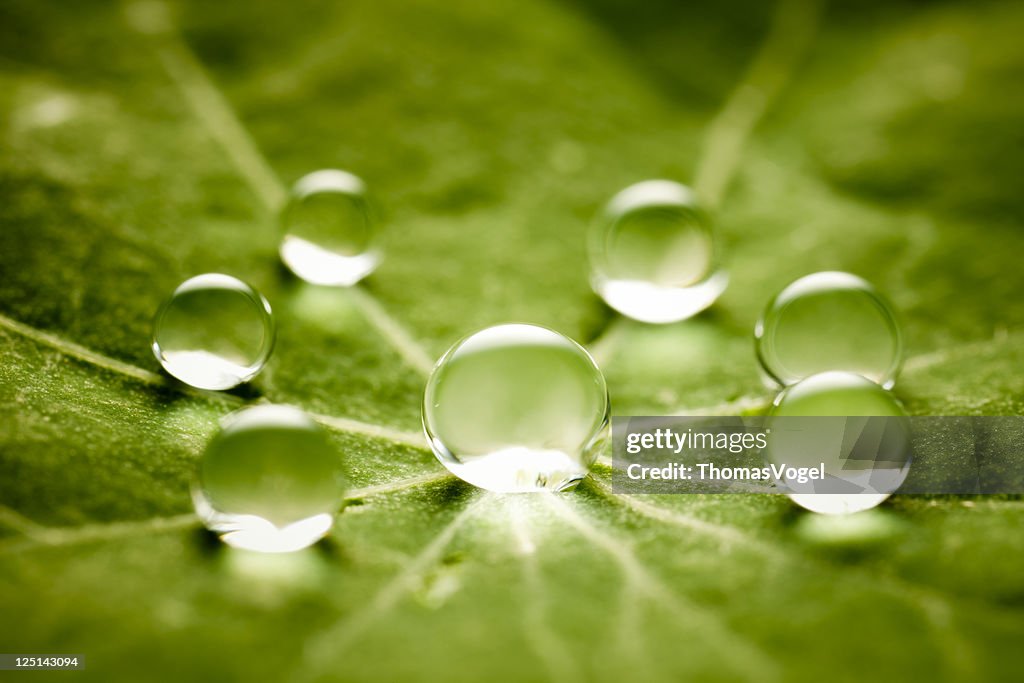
(653, 254)
(214, 332)
(516, 408)
(269, 480)
(852, 425)
(330, 229)
(829, 321)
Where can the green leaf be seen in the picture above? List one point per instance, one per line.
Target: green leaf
(145, 143)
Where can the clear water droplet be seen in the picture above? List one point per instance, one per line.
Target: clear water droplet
(214, 332)
(516, 408)
(330, 231)
(269, 480)
(829, 321)
(870, 458)
(653, 254)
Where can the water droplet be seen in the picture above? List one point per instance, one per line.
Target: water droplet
(214, 332)
(269, 480)
(829, 321)
(653, 254)
(865, 448)
(330, 230)
(516, 408)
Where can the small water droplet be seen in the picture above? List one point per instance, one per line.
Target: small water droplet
(867, 460)
(330, 230)
(654, 255)
(269, 480)
(213, 332)
(829, 321)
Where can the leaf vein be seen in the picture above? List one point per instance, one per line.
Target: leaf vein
(737, 650)
(73, 350)
(212, 107)
(334, 641)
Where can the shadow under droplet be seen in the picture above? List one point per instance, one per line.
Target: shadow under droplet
(596, 321)
(451, 491)
(329, 549)
(247, 392)
(207, 543)
(285, 276)
(175, 390)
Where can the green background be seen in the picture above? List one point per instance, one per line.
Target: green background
(144, 143)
